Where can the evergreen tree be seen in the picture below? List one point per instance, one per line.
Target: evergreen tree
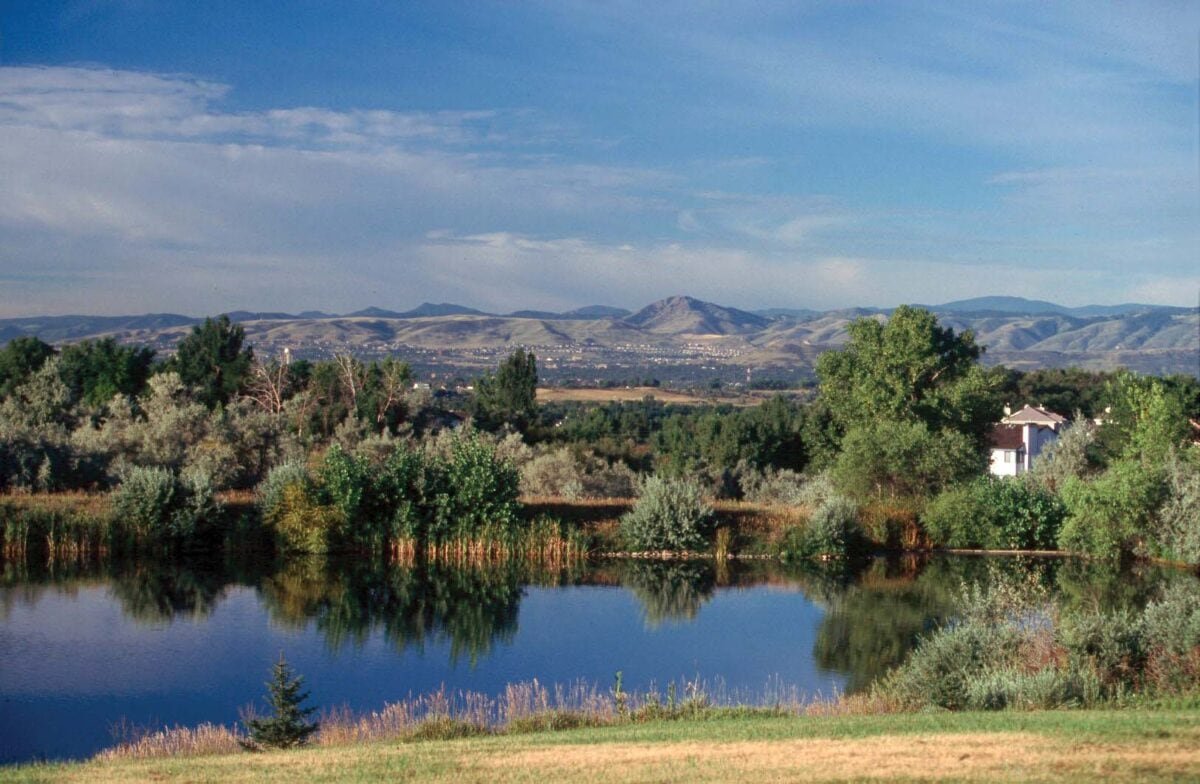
(95, 370)
(509, 396)
(19, 360)
(289, 726)
(212, 361)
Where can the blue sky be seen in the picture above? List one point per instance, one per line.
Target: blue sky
(200, 157)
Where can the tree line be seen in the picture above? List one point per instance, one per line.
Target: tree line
(900, 418)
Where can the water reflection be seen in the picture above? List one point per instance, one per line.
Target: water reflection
(873, 613)
(347, 601)
(669, 590)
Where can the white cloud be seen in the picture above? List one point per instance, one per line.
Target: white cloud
(128, 191)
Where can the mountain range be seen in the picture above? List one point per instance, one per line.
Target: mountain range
(1017, 332)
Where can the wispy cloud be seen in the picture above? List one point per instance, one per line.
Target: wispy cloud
(815, 154)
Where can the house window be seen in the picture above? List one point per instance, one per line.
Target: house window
(1007, 456)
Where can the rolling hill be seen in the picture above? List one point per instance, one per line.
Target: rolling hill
(674, 330)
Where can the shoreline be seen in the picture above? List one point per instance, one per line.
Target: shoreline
(755, 527)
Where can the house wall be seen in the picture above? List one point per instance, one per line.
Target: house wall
(1006, 462)
(1036, 440)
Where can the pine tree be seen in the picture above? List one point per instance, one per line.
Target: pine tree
(288, 727)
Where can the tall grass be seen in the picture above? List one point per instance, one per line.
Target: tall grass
(522, 707)
(67, 526)
(544, 542)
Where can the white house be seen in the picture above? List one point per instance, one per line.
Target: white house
(1021, 437)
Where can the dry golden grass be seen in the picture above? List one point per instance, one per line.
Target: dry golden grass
(766, 750)
(974, 756)
(72, 502)
(633, 394)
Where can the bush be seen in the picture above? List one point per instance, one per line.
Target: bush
(944, 667)
(570, 475)
(903, 459)
(787, 487)
(469, 493)
(1003, 514)
(1045, 689)
(1111, 644)
(1114, 513)
(831, 532)
(950, 520)
(1177, 533)
(553, 474)
(670, 514)
(1172, 631)
(1172, 622)
(303, 525)
(159, 506)
(1070, 456)
(269, 493)
(1011, 650)
(481, 492)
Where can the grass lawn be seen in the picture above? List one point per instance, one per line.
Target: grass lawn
(1086, 746)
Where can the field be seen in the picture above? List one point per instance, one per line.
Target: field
(1085, 746)
(633, 394)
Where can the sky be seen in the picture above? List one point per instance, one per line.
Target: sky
(175, 156)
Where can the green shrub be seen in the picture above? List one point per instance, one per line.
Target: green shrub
(1177, 533)
(670, 514)
(469, 493)
(345, 480)
(1111, 644)
(303, 525)
(951, 519)
(479, 494)
(1114, 513)
(830, 532)
(269, 493)
(945, 666)
(991, 513)
(158, 506)
(1172, 622)
(1045, 689)
(888, 459)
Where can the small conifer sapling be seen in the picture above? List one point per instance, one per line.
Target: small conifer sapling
(288, 726)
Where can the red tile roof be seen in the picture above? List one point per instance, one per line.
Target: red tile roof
(1006, 437)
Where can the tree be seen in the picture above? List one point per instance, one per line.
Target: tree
(910, 370)
(509, 396)
(897, 459)
(1146, 419)
(95, 370)
(19, 360)
(289, 725)
(381, 400)
(211, 360)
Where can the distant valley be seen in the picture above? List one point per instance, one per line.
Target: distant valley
(678, 339)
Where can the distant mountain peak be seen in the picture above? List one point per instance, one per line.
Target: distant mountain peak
(424, 310)
(688, 315)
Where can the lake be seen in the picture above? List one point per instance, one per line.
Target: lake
(151, 643)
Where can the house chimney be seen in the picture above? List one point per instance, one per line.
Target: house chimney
(1007, 410)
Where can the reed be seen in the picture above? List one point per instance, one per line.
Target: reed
(71, 526)
(139, 743)
(544, 542)
(521, 708)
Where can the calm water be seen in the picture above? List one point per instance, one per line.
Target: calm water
(156, 644)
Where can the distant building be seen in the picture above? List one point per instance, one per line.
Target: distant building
(1020, 438)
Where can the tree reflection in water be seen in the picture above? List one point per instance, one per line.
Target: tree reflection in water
(874, 612)
(669, 590)
(472, 608)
